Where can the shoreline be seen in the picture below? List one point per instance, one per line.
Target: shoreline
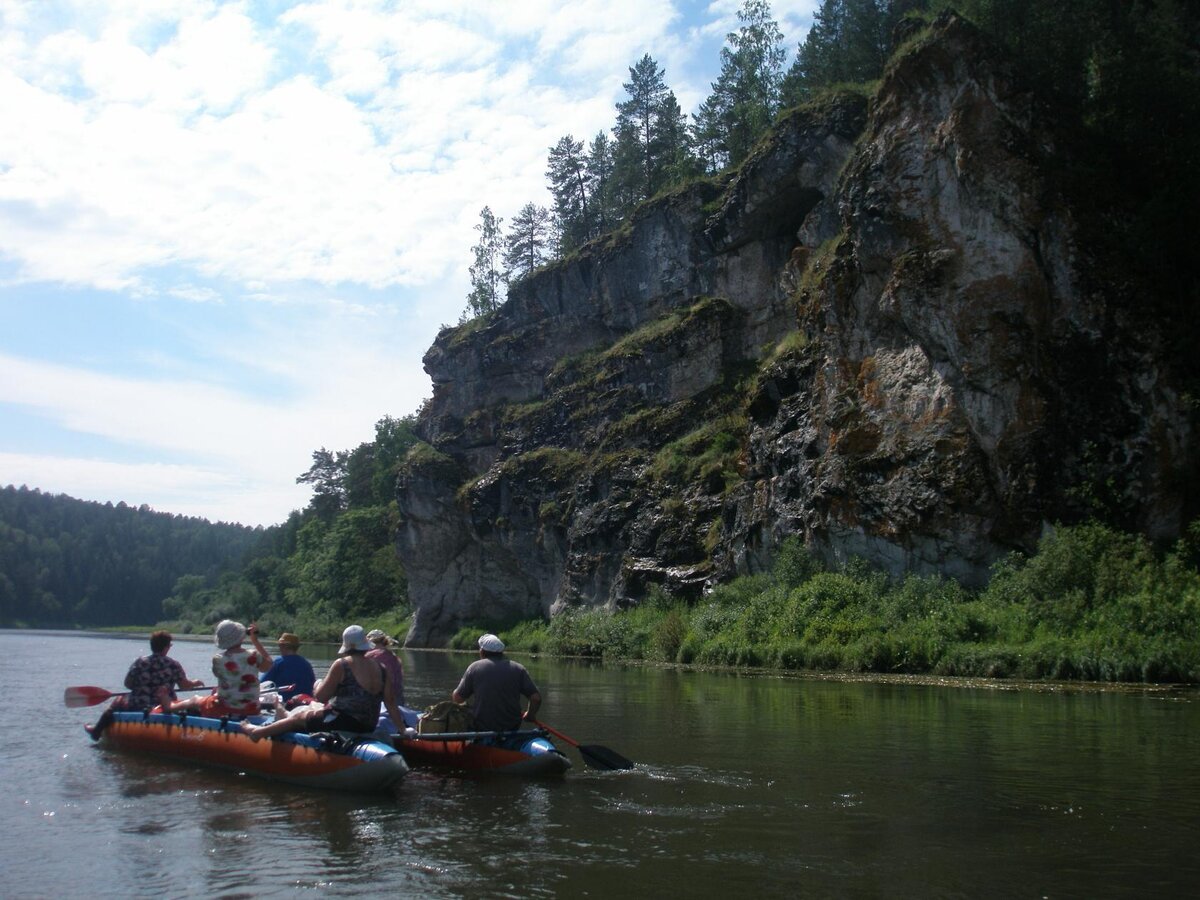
(1174, 689)
(895, 678)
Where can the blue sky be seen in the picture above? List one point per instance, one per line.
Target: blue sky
(230, 231)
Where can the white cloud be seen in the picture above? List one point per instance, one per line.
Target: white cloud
(218, 494)
(195, 294)
(120, 155)
(174, 416)
(339, 368)
(293, 184)
(313, 176)
(181, 489)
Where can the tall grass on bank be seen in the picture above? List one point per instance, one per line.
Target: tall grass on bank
(1091, 604)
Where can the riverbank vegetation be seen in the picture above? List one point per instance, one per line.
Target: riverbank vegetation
(1091, 604)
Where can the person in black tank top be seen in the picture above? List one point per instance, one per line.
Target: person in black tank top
(352, 691)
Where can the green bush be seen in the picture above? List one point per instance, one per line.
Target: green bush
(795, 564)
(668, 634)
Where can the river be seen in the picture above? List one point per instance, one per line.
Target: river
(745, 784)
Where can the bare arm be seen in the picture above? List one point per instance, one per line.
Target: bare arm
(535, 703)
(328, 685)
(389, 703)
(264, 658)
(465, 688)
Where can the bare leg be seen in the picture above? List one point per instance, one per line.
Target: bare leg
(98, 729)
(279, 726)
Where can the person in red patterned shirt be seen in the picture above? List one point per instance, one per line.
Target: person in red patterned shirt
(236, 670)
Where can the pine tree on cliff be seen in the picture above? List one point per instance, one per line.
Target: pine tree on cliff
(486, 276)
(566, 169)
(745, 95)
(601, 184)
(528, 238)
(649, 138)
(849, 41)
(679, 162)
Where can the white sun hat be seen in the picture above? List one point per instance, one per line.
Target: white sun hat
(354, 638)
(489, 643)
(230, 634)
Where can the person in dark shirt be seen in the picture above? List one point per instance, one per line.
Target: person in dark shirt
(495, 685)
(290, 670)
(151, 680)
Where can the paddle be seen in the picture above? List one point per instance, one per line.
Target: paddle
(86, 695)
(594, 755)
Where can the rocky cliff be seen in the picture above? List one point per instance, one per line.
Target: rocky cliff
(884, 333)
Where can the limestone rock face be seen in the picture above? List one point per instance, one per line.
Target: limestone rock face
(881, 334)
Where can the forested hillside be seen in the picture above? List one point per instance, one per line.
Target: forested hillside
(67, 562)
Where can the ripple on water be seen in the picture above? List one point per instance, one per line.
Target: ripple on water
(691, 773)
(152, 827)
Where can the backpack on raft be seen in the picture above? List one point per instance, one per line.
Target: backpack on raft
(445, 717)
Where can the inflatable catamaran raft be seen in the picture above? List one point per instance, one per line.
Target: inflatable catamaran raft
(335, 760)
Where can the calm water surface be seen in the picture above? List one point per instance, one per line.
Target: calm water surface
(775, 787)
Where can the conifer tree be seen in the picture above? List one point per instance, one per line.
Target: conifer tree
(649, 142)
(603, 210)
(327, 475)
(675, 144)
(567, 170)
(849, 42)
(528, 238)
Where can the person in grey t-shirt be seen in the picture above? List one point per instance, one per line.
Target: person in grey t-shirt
(496, 685)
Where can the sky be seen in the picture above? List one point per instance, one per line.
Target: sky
(229, 231)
